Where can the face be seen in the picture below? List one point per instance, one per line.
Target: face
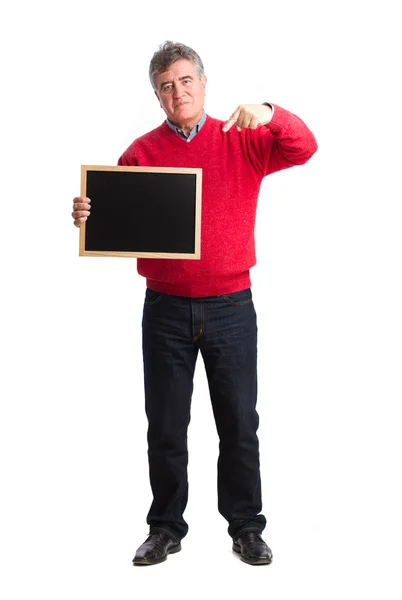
(181, 93)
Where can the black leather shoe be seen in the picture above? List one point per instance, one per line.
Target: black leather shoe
(252, 548)
(155, 549)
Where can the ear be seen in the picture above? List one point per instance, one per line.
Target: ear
(204, 82)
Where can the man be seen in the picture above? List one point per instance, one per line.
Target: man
(207, 304)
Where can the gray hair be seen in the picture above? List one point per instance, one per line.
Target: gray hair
(168, 53)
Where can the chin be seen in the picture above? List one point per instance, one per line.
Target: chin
(185, 111)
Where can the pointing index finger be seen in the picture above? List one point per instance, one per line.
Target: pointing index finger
(231, 121)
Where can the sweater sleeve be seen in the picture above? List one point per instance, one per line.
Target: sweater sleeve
(127, 160)
(284, 142)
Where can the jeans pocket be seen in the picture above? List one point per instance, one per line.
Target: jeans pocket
(239, 298)
(152, 297)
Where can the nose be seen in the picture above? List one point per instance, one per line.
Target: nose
(177, 92)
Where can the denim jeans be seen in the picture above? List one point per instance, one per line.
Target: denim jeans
(224, 329)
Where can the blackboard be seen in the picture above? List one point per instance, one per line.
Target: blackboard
(147, 212)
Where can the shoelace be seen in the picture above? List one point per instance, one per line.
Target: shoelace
(158, 542)
(252, 538)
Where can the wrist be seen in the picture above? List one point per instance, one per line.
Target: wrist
(270, 112)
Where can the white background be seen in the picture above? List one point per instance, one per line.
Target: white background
(327, 290)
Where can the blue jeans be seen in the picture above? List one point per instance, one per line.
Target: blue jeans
(224, 328)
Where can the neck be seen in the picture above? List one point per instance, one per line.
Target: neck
(187, 128)
(188, 125)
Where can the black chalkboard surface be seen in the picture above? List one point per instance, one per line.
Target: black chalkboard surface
(147, 212)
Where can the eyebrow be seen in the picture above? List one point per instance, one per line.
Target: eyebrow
(180, 79)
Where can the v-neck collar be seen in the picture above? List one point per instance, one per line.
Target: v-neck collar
(178, 139)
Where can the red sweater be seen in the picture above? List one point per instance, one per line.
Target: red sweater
(233, 165)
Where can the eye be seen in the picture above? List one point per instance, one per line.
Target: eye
(167, 88)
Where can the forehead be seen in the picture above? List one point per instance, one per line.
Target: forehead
(178, 69)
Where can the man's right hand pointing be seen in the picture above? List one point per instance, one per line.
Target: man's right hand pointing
(249, 116)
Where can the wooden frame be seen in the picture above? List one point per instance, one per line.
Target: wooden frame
(181, 220)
